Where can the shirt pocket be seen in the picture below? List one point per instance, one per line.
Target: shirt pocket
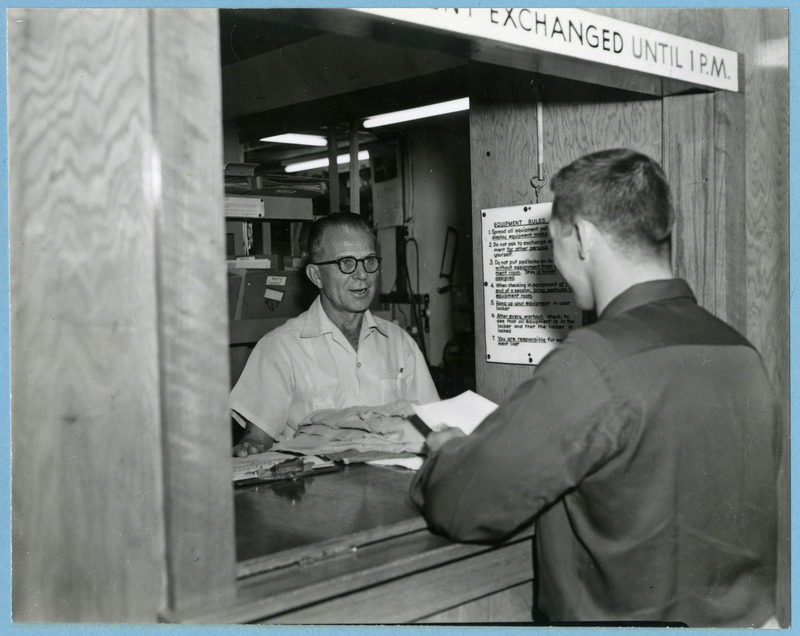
(393, 388)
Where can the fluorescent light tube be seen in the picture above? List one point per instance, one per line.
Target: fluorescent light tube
(300, 140)
(417, 113)
(323, 163)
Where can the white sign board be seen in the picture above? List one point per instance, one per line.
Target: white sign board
(245, 207)
(528, 307)
(587, 36)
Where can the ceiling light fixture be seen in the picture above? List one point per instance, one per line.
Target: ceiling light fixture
(300, 140)
(432, 110)
(323, 163)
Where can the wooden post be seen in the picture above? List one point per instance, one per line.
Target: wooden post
(193, 323)
(87, 509)
(122, 502)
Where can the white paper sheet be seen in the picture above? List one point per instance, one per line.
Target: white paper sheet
(464, 411)
(412, 463)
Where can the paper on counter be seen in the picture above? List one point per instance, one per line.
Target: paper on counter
(248, 467)
(464, 411)
(412, 463)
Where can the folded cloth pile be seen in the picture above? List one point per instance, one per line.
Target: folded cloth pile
(361, 428)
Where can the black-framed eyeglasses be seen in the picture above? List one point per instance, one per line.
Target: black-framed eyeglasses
(348, 264)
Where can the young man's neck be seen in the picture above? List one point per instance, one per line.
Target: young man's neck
(619, 276)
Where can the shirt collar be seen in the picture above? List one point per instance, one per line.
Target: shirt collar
(644, 293)
(317, 322)
(371, 323)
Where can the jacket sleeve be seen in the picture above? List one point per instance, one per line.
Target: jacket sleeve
(554, 429)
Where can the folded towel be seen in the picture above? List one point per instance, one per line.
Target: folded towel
(362, 428)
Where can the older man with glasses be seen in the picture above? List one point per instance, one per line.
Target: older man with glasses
(336, 354)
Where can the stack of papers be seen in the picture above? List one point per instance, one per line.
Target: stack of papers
(248, 467)
(464, 411)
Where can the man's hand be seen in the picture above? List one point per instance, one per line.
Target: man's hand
(439, 438)
(248, 446)
(255, 441)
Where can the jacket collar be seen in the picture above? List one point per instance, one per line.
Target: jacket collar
(649, 292)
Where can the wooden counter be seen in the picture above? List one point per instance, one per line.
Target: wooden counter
(347, 547)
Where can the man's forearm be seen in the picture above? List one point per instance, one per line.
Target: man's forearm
(254, 441)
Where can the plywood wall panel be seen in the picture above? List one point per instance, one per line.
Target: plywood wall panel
(581, 118)
(764, 39)
(193, 321)
(703, 159)
(767, 179)
(503, 160)
(87, 507)
(730, 222)
(689, 163)
(578, 119)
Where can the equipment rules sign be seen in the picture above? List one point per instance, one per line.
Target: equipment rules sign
(528, 307)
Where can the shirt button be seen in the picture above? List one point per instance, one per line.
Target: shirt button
(358, 364)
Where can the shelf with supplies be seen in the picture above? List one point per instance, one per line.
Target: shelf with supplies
(254, 207)
(266, 281)
(251, 194)
(266, 221)
(266, 218)
(261, 299)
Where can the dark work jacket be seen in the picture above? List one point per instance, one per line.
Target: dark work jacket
(646, 448)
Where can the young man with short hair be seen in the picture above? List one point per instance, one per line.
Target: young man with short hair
(646, 446)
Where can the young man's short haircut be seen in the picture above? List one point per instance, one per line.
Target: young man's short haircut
(344, 220)
(623, 192)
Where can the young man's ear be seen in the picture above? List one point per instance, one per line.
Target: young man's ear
(312, 271)
(586, 232)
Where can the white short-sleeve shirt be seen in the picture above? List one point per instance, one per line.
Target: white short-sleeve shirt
(307, 364)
